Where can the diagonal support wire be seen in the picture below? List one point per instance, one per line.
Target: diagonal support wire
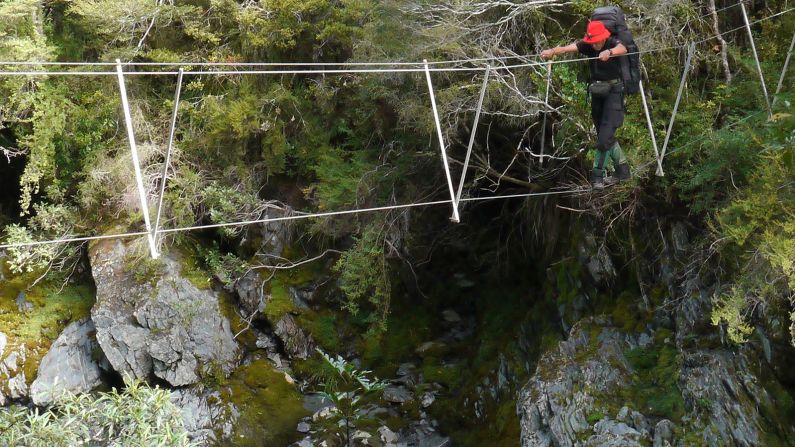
(651, 130)
(784, 70)
(756, 58)
(442, 146)
(691, 50)
(544, 122)
(167, 161)
(472, 136)
(136, 164)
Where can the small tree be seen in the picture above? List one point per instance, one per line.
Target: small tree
(347, 389)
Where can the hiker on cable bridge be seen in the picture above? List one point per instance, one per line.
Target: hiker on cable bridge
(607, 97)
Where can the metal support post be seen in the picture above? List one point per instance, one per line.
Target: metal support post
(455, 218)
(651, 130)
(544, 122)
(756, 58)
(167, 161)
(691, 50)
(784, 70)
(472, 135)
(136, 164)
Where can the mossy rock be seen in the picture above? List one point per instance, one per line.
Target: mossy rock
(55, 305)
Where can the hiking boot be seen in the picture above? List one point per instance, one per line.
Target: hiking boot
(597, 183)
(611, 180)
(622, 172)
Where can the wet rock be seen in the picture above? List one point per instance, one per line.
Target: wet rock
(250, 293)
(316, 402)
(157, 322)
(303, 427)
(387, 435)
(204, 414)
(72, 364)
(663, 433)
(301, 296)
(428, 399)
(23, 305)
(297, 342)
(397, 394)
(451, 316)
(323, 413)
(431, 349)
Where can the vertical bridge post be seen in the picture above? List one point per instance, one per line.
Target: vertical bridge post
(691, 50)
(136, 164)
(455, 218)
(472, 135)
(651, 130)
(544, 122)
(167, 161)
(756, 58)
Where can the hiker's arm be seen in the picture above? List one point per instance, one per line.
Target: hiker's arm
(618, 50)
(552, 52)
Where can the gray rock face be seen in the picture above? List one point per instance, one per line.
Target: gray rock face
(297, 343)
(204, 415)
(69, 365)
(554, 406)
(13, 383)
(724, 401)
(249, 290)
(596, 258)
(162, 325)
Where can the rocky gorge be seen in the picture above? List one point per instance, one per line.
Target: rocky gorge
(239, 360)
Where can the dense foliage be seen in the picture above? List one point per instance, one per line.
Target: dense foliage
(137, 416)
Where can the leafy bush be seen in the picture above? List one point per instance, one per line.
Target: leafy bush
(138, 416)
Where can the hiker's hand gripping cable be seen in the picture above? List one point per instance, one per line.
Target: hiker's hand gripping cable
(618, 50)
(552, 52)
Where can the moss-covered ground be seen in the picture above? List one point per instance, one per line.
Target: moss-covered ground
(270, 406)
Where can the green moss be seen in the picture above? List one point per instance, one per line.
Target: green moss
(53, 309)
(270, 407)
(595, 417)
(194, 273)
(448, 375)
(280, 302)
(654, 388)
(325, 327)
(627, 315)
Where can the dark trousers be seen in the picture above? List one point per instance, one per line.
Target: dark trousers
(608, 115)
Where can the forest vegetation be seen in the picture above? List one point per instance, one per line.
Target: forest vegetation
(255, 146)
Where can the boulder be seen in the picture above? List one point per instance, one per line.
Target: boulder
(69, 365)
(157, 322)
(397, 394)
(205, 415)
(297, 342)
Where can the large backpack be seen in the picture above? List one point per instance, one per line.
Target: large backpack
(613, 19)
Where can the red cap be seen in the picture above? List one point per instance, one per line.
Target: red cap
(596, 32)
